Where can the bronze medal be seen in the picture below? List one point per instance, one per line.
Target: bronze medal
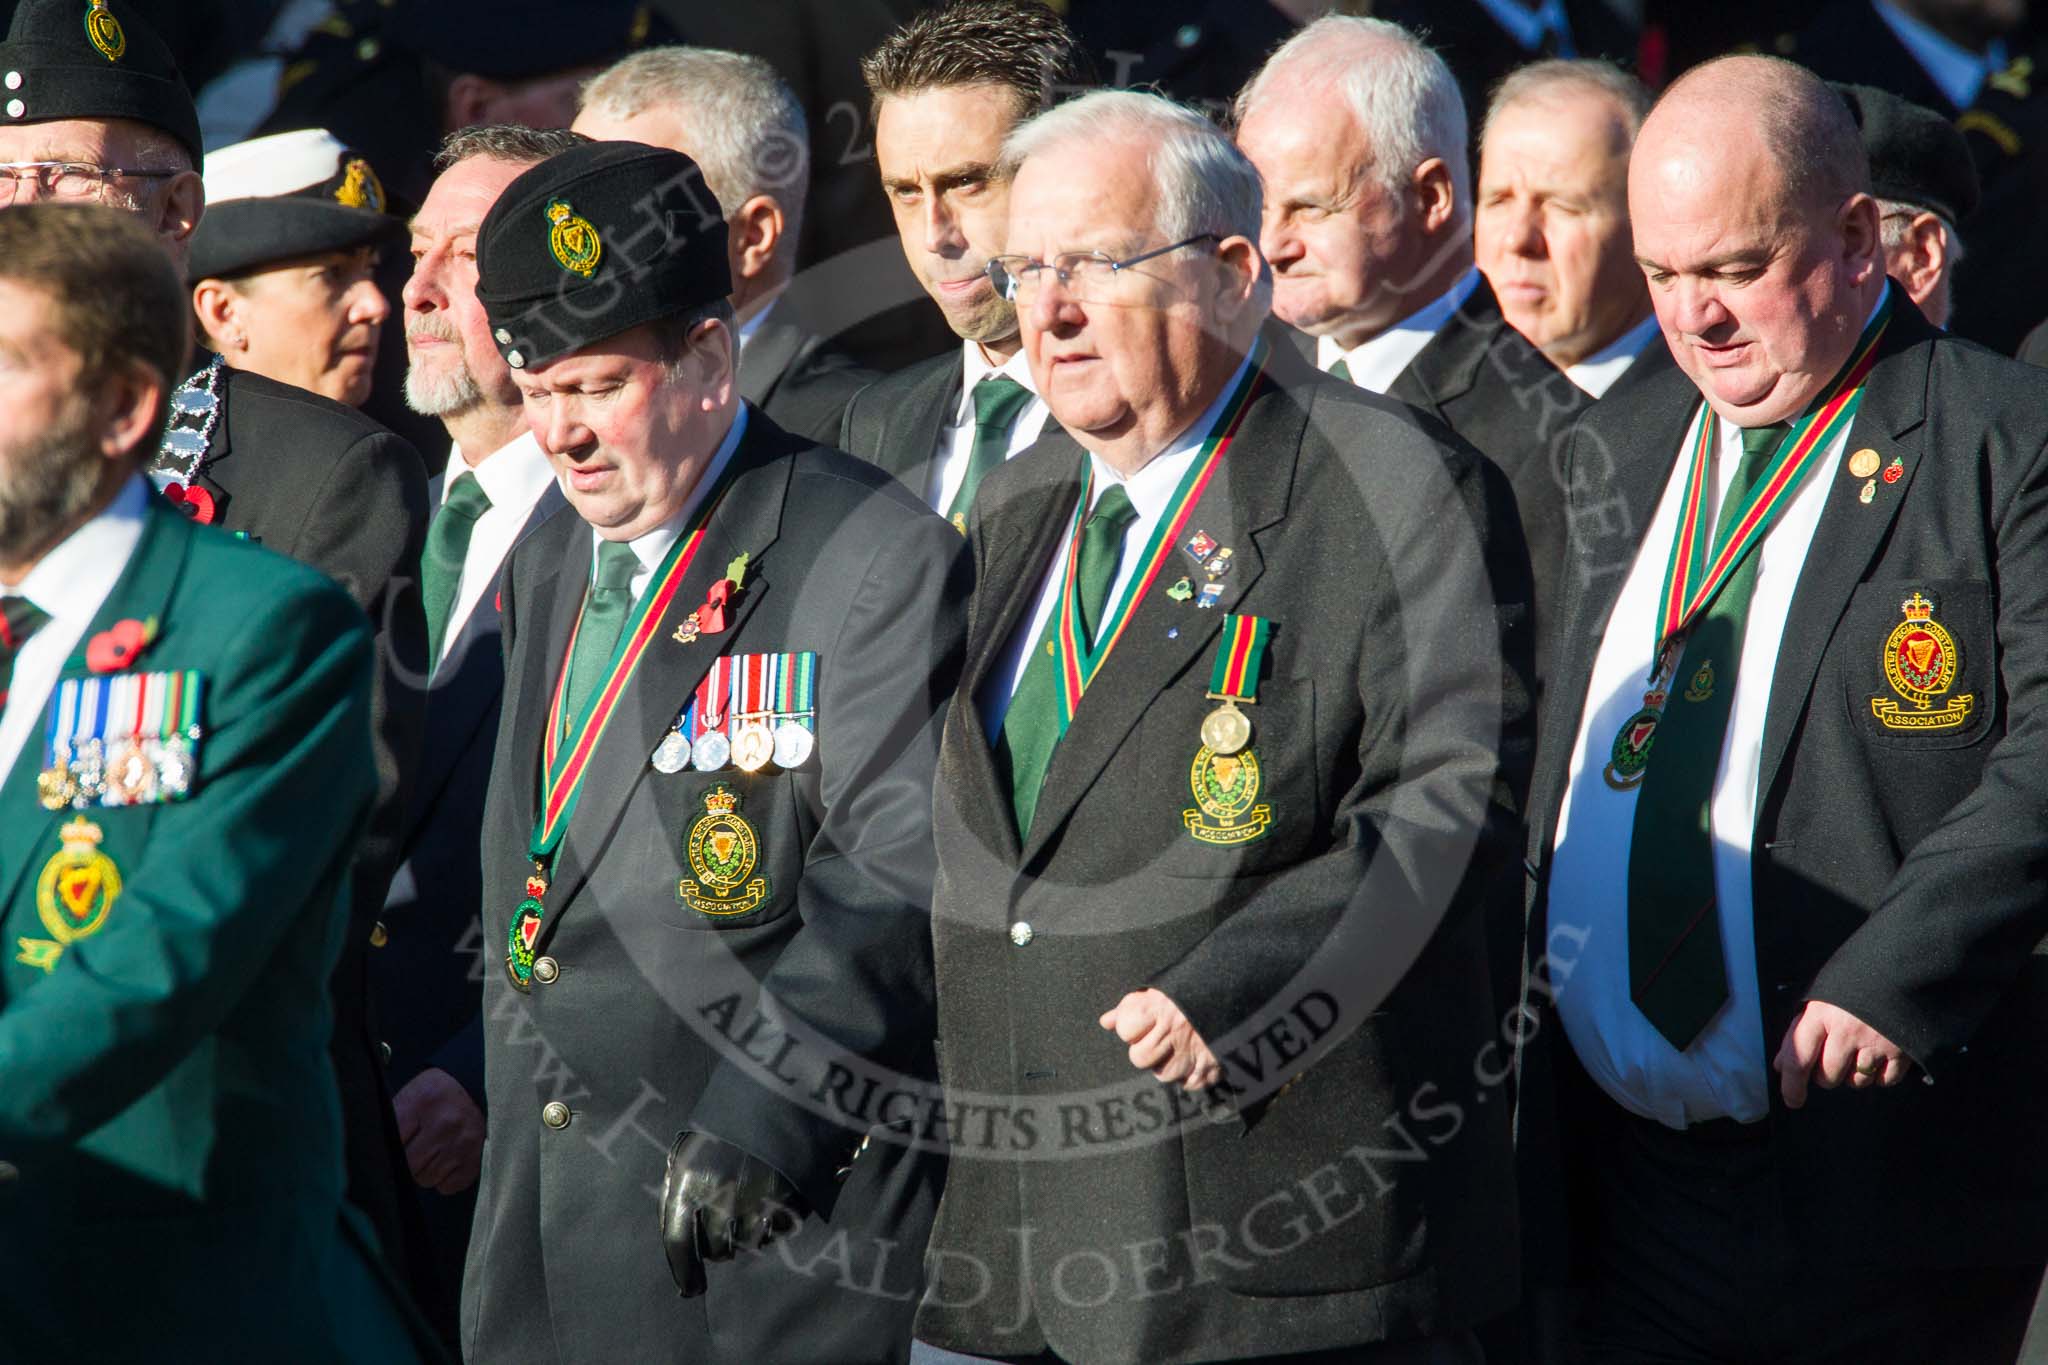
(1226, 730)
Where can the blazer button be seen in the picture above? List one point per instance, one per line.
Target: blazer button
(379, 935)
(1020, 933)
(555, 1114)
(546, 969)
(384, 1053)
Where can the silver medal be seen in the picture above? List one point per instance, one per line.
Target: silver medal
(672, 755)
(711, 752)
(793, 745)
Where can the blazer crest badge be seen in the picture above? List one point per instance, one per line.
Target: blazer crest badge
(723, 852)
(1920, 663)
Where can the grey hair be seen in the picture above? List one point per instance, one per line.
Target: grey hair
(1205, 183)
(747, 132)
(1545, 79)
(1401, 92)
(1896, 215)
(509, 142)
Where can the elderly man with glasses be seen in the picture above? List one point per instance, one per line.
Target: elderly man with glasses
(1302, 613)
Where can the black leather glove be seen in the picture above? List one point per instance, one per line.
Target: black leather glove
(715, 1200)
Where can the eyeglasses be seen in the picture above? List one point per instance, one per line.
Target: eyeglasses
(1089, 276)
(64, 179)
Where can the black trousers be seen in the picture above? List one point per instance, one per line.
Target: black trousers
(1696, 1265)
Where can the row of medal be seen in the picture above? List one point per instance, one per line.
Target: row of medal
(123, 739)
(750, 710)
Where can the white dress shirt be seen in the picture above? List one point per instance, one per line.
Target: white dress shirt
(754, 323)
(1149, 490)
(513, 478)
(956, 439)
(1959, 72)
(1377, 363)
(653, 546)
(70, 583)
(1597, 372)
(1723, 1074)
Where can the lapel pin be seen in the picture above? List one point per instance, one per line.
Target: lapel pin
(1181, 591)
(1895, 471)
(1869, 491)
(1863, 463)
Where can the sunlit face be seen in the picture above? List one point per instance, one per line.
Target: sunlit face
(1347, 254)
(1551, 227)
(453, 365)
(1132, 364)
(1755, 295)
(50, 464)
(937, 150)
(313, 322)
(627, 433)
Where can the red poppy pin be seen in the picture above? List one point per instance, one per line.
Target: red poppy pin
(709, 619)
(117, 648)
(194, 501)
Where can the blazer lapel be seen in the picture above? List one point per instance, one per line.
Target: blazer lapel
(143, 591)
(924, 422)
(1448, 367)
(1018, 537)
(766, 358)
(747, 521)
(1892, 422)
(1248, 494)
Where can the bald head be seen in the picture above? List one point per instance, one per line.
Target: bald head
(1746, 191)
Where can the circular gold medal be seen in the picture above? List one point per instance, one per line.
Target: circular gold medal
(1226, 730)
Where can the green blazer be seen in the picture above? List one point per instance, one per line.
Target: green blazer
(170, 1162)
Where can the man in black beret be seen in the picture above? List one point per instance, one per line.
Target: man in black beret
(95, 110)
(1924, 182)
(707, 850)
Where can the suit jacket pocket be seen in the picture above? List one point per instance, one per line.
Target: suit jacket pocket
(1229, 815)
(1325, 1193)
(1919, 660)
(734, 849)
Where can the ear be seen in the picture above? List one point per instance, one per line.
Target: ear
(709, 365)
(1241, 266)
(127, 410)
(218, 308)
(756, 231)
(470, 97)
(1436, 201)
(1927, 256)
(1858, 222)
(181, 206)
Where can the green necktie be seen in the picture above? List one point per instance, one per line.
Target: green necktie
(605, 608)
(1341, 370)
(1031, 727)
(997, 401)
(19, 619)
(1678, 976)
(447, 551)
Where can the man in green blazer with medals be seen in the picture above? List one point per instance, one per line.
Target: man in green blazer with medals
(185, 739)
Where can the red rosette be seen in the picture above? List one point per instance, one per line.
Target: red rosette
(116, 649)
(193, 501)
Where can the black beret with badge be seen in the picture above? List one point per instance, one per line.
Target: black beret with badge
(287, 195)
(595, 242)
(1916, 156)
(92, 59)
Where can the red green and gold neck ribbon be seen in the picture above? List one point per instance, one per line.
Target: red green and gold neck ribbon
(1077, 664)
(1238, 654)
(567, 759)
(1694, 575)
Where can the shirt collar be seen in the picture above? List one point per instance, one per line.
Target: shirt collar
(1152, 487)
(513, 476)
(974, 368)
(1597, 372)
(1376, 362)
(72, 580)
(1958, 71)
(753, 324)
(653, 546)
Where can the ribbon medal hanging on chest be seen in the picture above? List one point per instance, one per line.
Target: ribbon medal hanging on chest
(74, 895)
(1225, 776)
(123, 739)
(710, 748)
(753, 741)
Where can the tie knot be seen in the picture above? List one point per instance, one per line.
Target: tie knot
(616, 565)
(1113, 511)
(1759, 443)
(19, 619)
(466, 498)
(997, 401)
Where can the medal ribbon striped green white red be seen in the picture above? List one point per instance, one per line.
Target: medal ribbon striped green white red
(1693, 575)
(1078, 665)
